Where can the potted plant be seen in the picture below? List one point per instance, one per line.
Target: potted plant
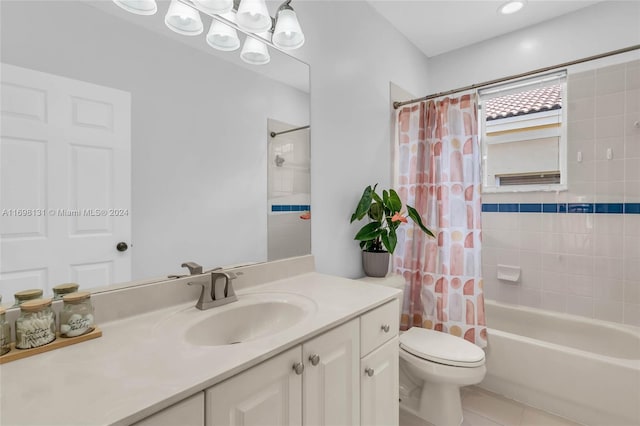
(378, 237)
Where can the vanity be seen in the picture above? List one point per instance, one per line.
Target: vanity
(298, 347)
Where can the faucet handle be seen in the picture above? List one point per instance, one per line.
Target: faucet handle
(194, 268)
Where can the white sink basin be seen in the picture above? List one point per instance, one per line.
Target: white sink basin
(253, 316)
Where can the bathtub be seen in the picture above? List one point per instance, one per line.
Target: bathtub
(581, 369)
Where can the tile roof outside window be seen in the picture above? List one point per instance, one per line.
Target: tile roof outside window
(527, 102)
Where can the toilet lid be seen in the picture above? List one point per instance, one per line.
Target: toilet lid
(441, 347)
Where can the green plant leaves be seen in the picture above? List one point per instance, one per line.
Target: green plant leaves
(370, 231)
(363, 204)
(415, 216)
(380, 232)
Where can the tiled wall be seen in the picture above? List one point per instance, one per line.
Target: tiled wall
(584, 259)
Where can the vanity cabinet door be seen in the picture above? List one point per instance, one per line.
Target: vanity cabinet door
(331, 387)
(379, 386)
(189, 412)
(269, 394)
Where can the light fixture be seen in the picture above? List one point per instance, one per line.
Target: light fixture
(287, 34)
(183, 19)
(511, 7)
(250, 16)
(221, 36)
(217, 7)
(139, 7)
(253, 16)
(254, 51)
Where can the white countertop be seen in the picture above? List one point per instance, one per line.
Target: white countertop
(139, 366)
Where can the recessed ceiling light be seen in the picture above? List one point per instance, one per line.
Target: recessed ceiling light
(511, 7)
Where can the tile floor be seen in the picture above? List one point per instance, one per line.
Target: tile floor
(484, 408)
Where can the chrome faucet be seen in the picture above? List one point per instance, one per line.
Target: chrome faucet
(217, 289)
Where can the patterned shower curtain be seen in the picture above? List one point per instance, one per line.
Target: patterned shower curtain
(439, 174)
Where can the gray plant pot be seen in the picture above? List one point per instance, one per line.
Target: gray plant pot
(375, 264)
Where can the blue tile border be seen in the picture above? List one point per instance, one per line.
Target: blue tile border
(632, 208)
(508, 208)
(290, 207)
(490, 208)
(530, 208)
(598, 208)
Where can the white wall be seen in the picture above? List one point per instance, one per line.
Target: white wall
(199, 129)
(603, 27)
(354, 54)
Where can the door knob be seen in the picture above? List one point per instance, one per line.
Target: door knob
(369, 371)
(122, 246)
(385, 328)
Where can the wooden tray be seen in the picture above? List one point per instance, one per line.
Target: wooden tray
(60, 342)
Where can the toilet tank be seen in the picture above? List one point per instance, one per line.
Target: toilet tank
(391, 280)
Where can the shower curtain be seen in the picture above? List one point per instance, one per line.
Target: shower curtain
(438, 172)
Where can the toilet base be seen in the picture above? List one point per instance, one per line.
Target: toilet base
(440, 404)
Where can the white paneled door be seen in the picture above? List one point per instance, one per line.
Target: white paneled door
(65, 182)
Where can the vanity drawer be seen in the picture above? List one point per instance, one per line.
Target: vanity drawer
(378, 326)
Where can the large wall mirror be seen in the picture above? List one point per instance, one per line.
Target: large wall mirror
(128, 149)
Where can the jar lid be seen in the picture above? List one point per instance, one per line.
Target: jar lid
(66, 288)
(35, 305)
(76, 297)
(28, 294)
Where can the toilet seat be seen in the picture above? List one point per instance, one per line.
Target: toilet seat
(441, 347)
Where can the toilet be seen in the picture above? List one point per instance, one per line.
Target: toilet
(433, 368)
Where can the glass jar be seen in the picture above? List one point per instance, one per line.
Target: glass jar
(60, 290)
(76, 317)
(24, 295)
(5, 333)
(36, 325)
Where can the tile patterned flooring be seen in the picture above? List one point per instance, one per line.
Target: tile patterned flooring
(484, 408)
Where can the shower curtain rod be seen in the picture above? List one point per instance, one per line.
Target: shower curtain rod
(397, 105)
(274, 134)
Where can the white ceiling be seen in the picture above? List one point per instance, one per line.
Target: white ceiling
(437, 26)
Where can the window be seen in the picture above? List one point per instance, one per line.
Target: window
(523, 135)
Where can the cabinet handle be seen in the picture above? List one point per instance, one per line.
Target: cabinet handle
(385, 328)
(298, 367)
(314, 359)
(369, 371)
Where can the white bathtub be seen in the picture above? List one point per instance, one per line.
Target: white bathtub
(582, 369)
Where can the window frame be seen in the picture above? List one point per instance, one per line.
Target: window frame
(515, 86)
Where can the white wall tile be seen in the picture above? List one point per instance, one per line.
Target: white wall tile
(611, 170)
(632, 146)
(609, 267)
(530, 297)
(608, 289)
(631, 291)
(610, 79)
(607, 310)
(584, 264)
(554, 301)
(632, 169)
(610, 127)
(632, 225)
(554, 282)
(580, 285)
(632, 314)
(631, 269)
(609, 224)
(581, 85)
(577, 305)
(610, 104)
